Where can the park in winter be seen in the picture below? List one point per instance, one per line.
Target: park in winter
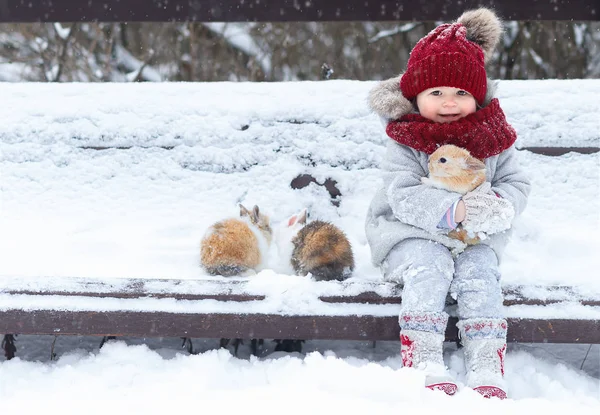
(307, 206)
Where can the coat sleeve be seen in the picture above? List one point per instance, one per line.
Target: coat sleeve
(510, 182)
(411, 201)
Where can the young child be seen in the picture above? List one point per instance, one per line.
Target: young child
(444, 97)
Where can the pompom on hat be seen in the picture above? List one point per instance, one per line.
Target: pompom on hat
(454, 55)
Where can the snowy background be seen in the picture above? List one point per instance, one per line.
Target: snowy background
(112, 181)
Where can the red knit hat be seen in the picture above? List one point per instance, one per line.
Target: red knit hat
(445, 57)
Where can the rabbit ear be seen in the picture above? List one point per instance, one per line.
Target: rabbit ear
(244, 211)
(292, 220)
(302, 216)
(255, 213)
(475, 164)
(298, 218)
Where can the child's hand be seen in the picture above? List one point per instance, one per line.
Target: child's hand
(460, 213)
(485, 212)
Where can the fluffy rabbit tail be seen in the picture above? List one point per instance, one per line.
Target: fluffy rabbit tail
(227, 270)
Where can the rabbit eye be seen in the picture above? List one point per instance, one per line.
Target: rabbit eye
(442, 160)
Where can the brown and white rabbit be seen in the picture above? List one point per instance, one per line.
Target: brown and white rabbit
(316, 247)
(453, 168)
(237, 246)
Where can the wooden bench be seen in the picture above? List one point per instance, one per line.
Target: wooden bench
(195, 305)
(215, 308)
(235, 308)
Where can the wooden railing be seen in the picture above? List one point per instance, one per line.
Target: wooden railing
(286, 10)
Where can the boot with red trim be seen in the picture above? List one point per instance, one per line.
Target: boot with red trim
(423, 349)
(484, 342)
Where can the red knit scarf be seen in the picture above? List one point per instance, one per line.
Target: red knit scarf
(484, 133)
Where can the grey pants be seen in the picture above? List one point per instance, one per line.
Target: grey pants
(429, 272)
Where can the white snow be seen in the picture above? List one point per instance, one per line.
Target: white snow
(69, 211)
(351, 377)
(141, 212)
(61, 31)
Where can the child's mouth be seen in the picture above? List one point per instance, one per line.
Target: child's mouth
(450, 117)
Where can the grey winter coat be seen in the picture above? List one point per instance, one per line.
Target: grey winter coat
(405, 208)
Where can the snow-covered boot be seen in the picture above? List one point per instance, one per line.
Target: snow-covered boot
(484, 342)
(422, 340)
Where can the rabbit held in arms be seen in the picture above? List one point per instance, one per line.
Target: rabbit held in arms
(237, 246)
(455, 169)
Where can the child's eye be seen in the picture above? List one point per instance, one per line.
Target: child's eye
(461, 92)
(436, 93)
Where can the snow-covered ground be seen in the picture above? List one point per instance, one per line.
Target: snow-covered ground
(152, 376)
(196, 150)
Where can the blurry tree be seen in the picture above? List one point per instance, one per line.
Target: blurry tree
(537, 50)
(274, 51)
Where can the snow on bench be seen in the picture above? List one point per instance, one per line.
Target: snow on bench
(107, 190)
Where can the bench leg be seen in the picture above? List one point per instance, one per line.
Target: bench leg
(224, 342)
(106, 339)
(187, 345)
(255, 345)
(52, 354)
(8, 344)
(289, 346)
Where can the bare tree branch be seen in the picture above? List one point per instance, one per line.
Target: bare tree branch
(64, 45)
(138, 76)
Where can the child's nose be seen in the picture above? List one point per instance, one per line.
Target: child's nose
(449, 102)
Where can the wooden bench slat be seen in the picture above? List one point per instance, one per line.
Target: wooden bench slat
(560, 151)
(240, 290)
(268, 326)
(363, 298)
(56, 317)
(544, 151)
(134, 295)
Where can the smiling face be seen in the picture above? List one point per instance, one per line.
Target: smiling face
(445, 104)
